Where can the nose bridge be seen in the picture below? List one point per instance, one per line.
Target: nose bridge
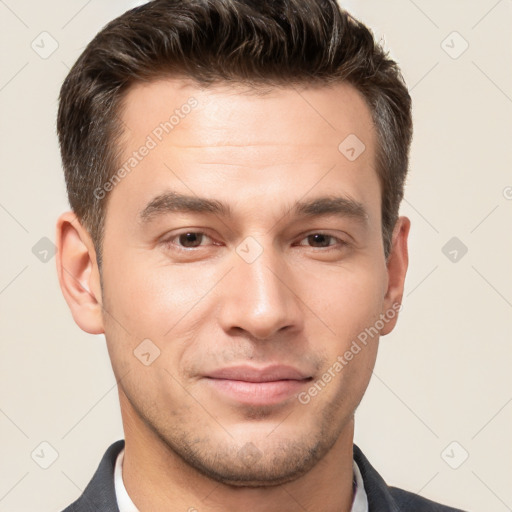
(263, 281)
(260, 300)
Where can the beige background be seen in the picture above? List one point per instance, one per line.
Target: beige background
(442, 376)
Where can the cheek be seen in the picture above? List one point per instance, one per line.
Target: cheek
(166, 304)
(348, 299)
(150, 298)
(350, 306)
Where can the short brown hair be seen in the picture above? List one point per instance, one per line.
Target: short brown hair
(255, 42)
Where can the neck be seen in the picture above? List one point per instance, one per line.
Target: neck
(156, 478)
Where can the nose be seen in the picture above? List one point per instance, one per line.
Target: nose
(258, 298)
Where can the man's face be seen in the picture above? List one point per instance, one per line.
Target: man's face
(277, 277)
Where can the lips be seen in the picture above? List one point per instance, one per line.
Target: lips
(258, 386)
(252, 374)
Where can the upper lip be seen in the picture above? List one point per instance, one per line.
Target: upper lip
(264, 374)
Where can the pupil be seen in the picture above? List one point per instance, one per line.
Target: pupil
(190, 239)
(320, 240)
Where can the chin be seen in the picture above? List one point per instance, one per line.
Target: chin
(270, 465)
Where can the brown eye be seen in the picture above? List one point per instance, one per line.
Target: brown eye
(319, 240)
(190, 239)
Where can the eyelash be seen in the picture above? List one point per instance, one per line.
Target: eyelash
(336, 246)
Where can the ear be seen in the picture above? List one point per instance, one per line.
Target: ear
(78, 273)
(397, 263)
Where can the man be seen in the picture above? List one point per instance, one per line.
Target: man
(235, 170)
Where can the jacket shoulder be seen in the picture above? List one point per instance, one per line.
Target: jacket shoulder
(391, 499)
(99, 495)
(409, 501)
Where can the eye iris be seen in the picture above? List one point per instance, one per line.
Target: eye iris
(191, 239)
(319, 239)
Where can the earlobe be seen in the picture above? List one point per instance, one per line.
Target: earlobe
(397, 264)
(78, 273)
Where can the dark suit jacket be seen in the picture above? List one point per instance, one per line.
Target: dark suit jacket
(100, 496)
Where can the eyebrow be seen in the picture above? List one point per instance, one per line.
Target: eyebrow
(331, 205)
(169, 202)
(172, 202)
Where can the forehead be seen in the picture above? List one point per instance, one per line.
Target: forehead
(243, 146)
(225, 115)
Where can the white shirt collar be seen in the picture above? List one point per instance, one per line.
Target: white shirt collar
(124, 501)
(360, 503)
(125, 504)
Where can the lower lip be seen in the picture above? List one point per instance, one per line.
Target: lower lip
(258, 393)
